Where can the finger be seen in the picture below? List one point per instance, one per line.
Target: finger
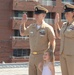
(24, 16)
(57, 18)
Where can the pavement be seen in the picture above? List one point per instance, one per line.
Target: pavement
(21, 68)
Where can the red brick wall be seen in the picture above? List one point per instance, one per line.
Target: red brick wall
(5, 30)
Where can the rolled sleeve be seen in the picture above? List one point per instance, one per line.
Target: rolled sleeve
(26, 31)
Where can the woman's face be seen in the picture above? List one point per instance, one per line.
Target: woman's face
(46, 56)
(69, 15)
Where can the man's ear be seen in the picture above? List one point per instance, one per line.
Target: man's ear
(44, 15)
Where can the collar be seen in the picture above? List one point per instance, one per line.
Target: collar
(41, 26)
(72, 23)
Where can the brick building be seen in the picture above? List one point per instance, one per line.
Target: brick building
(13, 47)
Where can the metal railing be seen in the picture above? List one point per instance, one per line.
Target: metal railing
(14, 65)
(19, 18)
(48, 3)
(23, 0)
(49, 21)
(26, 57)
(19, 37)
(29, 0)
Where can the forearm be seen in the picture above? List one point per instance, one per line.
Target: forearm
(57, 31)
(53, 72)
(40, 67)
(22, 29)
(52, 45)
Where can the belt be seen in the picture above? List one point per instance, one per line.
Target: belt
(35, 53)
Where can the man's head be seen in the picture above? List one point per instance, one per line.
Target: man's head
(40, 12)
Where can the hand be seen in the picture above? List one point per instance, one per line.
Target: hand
(57, 18)
(24, 18)
(56, 22)
(56, 25)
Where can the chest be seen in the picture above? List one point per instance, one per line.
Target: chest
(37, 33)
(46, 70)
(66, 28)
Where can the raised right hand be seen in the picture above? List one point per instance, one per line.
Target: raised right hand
(24, 18)
(57, 18)
(56, 25)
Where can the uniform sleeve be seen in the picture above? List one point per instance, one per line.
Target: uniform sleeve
(70, 31)
(26, 30)
(51, 34)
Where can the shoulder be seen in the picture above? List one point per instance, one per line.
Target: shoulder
(51, 65)
(73, 23)
(48, 27)
(64, 24)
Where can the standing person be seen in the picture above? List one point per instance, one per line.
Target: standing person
(48, 65)
(67, 40)
(41, 37)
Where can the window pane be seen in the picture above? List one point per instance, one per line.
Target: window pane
(30, 14)
(18, 13)
(21, 52)
(15, 52)
(50, 15)
(26, 52)
(16, 33)
(63, 16)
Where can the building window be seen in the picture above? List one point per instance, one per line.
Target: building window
(18, 13)
(68, 1)
(30, 14)
(16, 33)
(47, 2)
(21, 52)
(50, 15)
(50, 18)
(63, 16)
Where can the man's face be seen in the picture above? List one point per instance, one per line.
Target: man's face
(39, 17)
